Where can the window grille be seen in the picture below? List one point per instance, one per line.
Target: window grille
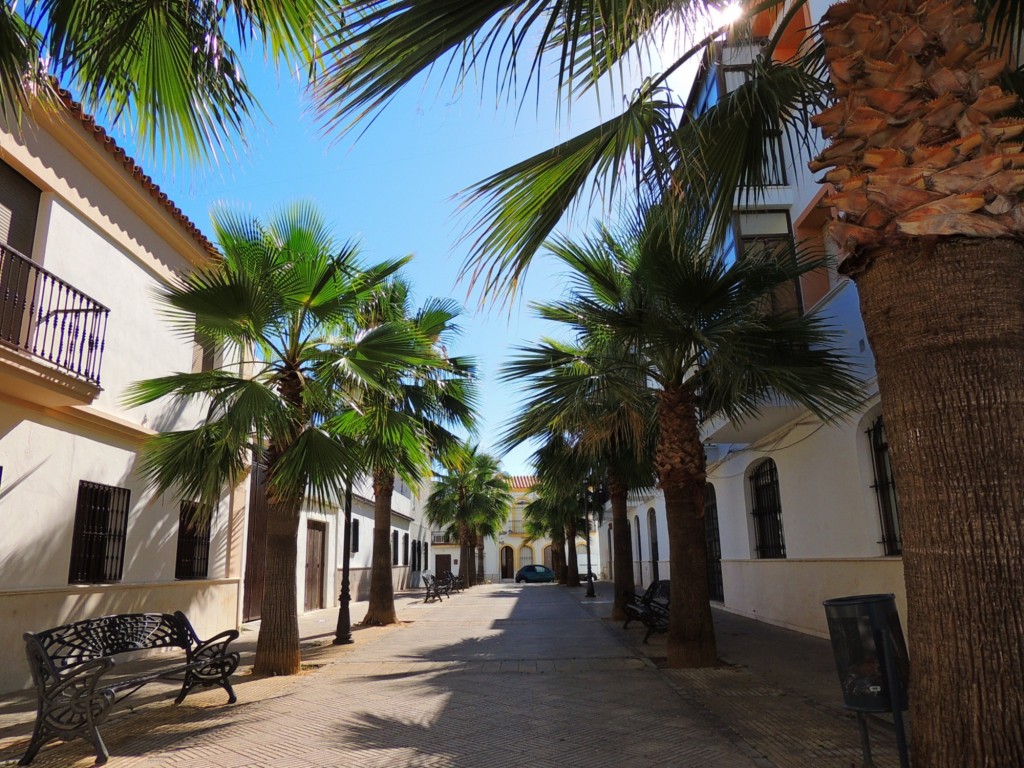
(767, 512)
(354, 536)
(426, 550)
(394, 547)
(101, 525)
(885, 489)
(193, 558)
(405, 549)
(713, 541)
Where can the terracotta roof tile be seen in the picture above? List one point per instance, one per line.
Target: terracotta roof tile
(522, 482)
(135, 170)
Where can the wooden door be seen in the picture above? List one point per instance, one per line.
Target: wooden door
(255, 545)
(442, 564)
(316, 556)
(508, 565)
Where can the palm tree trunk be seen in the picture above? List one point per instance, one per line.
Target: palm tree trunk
(572, 568)
(277, 647)
(680, 464)
(622, 558)
(558, 559)
(946, 323)
(381, 609)
(479, 558)
(466, 555)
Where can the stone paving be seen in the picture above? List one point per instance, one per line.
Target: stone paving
(500, 675)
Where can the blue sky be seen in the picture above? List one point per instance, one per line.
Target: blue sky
(393, 189)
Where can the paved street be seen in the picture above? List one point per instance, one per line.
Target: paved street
(501, 675)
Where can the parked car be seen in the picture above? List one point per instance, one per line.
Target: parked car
(533, 574)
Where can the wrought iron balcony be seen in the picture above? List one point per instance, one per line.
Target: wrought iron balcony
(441, 537)
(517, 527)
(50, 319)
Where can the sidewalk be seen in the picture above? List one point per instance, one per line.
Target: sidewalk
(501, 675)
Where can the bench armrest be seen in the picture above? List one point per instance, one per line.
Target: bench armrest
(216, 645)
(80, 679)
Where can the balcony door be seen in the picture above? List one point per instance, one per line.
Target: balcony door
(19, 207)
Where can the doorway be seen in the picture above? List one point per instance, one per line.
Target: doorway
(508, 564)
(442, 564)
(316, 555)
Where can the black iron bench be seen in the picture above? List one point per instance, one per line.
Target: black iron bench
(656, 618)
(433, 588)
(453, 582)
(638, 606)
(76, 688)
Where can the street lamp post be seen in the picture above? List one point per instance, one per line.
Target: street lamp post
(587, 495)
(343, 632)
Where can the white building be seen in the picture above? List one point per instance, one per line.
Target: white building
(85, 239)
(513, 548)
(797, 511)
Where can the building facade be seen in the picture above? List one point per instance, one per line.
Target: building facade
(796, 511)
(85, 240)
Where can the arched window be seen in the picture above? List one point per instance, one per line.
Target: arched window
(394, 547)
(549, 556)
(652, 524)
(714, 544)
(885, 489)
(405, 549)
(770, 542)
(525, 555)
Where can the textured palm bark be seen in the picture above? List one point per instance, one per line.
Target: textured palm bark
(277, 647)
(946, 323)
(622, 558)
(381, 608)
(680, 464)
(919, 145)
(572, 565)
(558, 564)
(466, 555)
(479, 558)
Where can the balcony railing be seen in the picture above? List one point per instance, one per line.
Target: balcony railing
(440, 537)
(517, 526)
(50, 319)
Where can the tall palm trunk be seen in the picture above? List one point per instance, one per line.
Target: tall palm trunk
(466, 555)
(558, 564)
(381, 609)
(277, 647)
(622, 558)
(680, 463)
(479, 558)
(572, 566)
(946, 323)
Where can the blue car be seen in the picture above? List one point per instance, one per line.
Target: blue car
(532, 574)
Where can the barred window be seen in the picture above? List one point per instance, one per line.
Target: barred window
(354, 535)
(885, 489)
(193, 557)
(405, 549)
(394, 547)
(767, 512)
(101, 526)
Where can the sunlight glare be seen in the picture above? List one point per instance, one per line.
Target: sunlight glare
(727, 15)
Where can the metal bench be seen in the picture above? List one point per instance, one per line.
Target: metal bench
(656, 618)
(70, 666)
(453, 583)
(638, 606)
(433, 588)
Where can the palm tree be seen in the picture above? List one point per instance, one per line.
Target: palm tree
(173, 69)
(275, 296)
(702, 333)
(920, 102)
(472, 498)
(610, 410)
(402, 424)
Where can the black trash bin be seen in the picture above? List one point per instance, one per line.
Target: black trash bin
(866, 638)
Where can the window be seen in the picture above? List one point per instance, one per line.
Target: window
(416, 556)
(636, 530)
(101, 524)
(885, 489)
(193, 558)
(425, 551)
(205, 355)
(394, 547)
(354, 535)
(405, 549)
(526, 555)
(767, 511)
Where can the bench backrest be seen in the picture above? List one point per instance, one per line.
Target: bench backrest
(89, 639)
(658, 590)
